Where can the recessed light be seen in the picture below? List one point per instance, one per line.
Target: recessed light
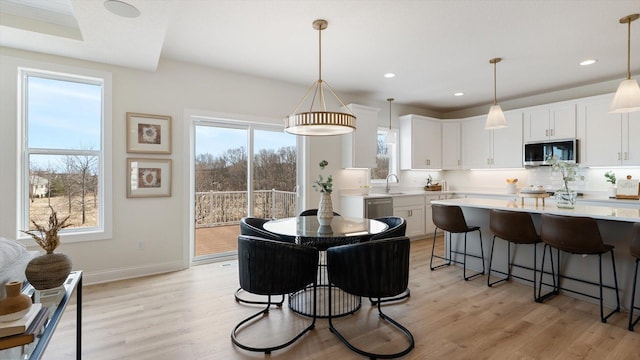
(588, 62)
(389, 75)
(122, 8)
(458, 94)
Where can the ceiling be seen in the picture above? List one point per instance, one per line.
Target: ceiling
(435, 47)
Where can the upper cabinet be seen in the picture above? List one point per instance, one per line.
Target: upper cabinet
(359, 148)
(451, 145)
(550, 122)
(499, 148)
(607, 139)
(420, 143)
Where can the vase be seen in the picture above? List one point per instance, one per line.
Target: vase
(325, 209)
(565, 199)
(612, 191)
(48, 271)
(15, 305)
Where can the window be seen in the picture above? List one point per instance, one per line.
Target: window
(63, 152)
(386, 158)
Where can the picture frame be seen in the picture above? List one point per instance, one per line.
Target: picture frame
(148, 177)
(149, 134)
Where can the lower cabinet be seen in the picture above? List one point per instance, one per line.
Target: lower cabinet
(412, 209)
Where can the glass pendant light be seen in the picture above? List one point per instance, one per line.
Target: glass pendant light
(319, 121)
(390, 138)
(495, 119)
(627, 98)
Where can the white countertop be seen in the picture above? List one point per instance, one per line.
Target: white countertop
(604, 212)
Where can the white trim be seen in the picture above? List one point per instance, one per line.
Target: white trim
(130, 272)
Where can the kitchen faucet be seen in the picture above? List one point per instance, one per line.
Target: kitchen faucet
(388, 176)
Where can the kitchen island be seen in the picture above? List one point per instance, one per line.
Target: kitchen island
(615, 225)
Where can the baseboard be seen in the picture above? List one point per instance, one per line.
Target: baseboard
(97, 277)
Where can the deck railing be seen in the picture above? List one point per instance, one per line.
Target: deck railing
(214, 208)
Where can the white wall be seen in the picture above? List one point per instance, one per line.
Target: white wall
(174, 87)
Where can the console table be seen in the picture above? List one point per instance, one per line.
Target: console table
(35, 350)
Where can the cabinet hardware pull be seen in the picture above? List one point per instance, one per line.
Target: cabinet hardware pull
(619, 156)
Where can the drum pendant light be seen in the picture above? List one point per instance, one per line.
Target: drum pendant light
(390, 138)
(627, 98)
(319, 122)
(495, 119)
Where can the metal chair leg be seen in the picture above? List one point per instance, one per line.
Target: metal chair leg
(633, 306)
(540, 298)
(464, 259)
(433, 247)
(604, 318)
(489, 283)
(239, 299)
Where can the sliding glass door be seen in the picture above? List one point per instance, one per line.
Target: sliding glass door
(240, 170)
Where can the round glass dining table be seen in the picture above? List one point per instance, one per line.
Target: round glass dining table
(307, 231)
(308, 227)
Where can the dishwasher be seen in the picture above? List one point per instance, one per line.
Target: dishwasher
(378, 207)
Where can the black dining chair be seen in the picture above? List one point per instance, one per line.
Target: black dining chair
(253, 226)
(377, 269)
(268, 267)
(397, 227)
(314, 212)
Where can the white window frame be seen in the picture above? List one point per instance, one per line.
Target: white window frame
(105, 195)
(393, 156)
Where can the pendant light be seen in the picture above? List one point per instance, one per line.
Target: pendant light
(320, 121)
(390, 138)
(627, 98)
(495, 119)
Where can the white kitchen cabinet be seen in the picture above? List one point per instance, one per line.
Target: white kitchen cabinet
(499, 148)
(451, 145)
(607, 139)
(420, 143)
(359, 148)
(412, 209)
(550, 122)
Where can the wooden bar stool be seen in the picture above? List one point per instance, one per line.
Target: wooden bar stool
(635, 252)
(580, 236)
(451, 219)
(517, 228)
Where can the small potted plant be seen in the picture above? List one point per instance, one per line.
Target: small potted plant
(50, 270)
(611, 178)
(325, 187)
(565, 197)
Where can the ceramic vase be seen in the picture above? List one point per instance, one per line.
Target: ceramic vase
(612, 191)
(565, 199)
(15, 305)
(325, 209)
(48, 271)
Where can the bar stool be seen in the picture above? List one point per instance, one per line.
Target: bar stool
(635, 252)
(451, 219)
(517, 228)
(579, 236)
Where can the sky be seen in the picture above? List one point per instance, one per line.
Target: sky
(216, 140)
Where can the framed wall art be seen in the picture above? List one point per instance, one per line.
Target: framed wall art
(148, 177)
(149, 134)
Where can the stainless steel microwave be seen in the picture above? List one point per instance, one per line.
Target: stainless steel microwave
(539, 153)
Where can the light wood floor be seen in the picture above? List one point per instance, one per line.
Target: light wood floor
(189, 315)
